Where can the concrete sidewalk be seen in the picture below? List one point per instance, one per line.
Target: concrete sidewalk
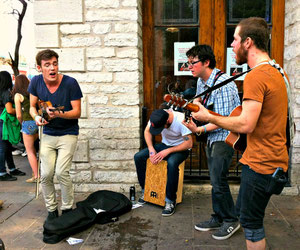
(22, 218)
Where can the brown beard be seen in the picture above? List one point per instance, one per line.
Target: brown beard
(241, 55)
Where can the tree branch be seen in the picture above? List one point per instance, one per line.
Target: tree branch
(20, 17)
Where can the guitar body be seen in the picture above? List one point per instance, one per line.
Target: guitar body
(235, 140)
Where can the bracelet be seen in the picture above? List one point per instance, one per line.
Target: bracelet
(204, 128)
(35, 116)
(199, 133)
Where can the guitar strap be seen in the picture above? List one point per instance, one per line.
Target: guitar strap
(291, 129)
(205, 99)
(220, 84)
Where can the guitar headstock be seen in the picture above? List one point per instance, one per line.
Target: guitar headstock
(179, 102)
(175, 100)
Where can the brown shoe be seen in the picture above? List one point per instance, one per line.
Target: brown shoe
(1, 203)
(32, 180)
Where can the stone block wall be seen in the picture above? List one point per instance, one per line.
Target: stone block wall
(99, 43)
(292, 66)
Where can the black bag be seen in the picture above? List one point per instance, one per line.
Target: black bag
(85, 215)
(2, 247)
(277, 182)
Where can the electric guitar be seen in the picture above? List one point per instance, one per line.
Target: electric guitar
(235, 140)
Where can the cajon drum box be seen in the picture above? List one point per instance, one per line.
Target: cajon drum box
(156, 182)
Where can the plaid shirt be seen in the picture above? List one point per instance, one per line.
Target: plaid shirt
(224, 100)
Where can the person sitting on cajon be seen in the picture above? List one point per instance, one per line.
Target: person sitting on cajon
(176, 140)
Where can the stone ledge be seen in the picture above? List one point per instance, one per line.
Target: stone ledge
(206, 189)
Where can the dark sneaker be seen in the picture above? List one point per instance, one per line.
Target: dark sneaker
(169, 209)
(208, 225)
(17, 172)
(66, 211)
(141, 200)
(226, 230)
(7, 177)
(52, 215)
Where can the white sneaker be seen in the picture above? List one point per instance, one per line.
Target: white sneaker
(24, 154)
(17, 152)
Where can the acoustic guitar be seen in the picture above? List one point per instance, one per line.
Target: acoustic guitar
(235, 140)
(43, 109)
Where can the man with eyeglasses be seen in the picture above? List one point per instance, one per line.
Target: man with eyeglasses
(202, 64)
(174, 148)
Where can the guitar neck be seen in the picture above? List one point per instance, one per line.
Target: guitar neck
(195, 108)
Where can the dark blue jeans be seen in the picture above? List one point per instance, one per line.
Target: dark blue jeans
(219, 156)
(253, 198)
(173, 160)
(5, 153)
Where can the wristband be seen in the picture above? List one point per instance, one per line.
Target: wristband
(204, 129)
(151, 153)
(36, 116)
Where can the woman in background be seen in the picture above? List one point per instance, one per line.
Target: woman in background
(5, 146)
(29, 128)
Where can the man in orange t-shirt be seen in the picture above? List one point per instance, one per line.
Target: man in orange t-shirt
(263, 119)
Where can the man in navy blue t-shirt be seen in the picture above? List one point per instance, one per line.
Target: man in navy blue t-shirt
(60, 129)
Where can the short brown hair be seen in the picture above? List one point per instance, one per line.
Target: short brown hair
(257, 29)
(46, 54)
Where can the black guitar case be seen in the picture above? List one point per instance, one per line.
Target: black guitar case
(86, 214)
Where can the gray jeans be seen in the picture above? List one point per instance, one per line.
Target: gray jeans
(56, 159)
(219, 156)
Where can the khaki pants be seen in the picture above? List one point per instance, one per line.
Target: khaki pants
(56, 158)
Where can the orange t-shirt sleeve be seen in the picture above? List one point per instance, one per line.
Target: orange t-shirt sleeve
(254, 87)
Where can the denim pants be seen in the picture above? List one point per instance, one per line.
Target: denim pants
(253, 198)
(5, 153)
(56, 158)
(219, 156)
(173, 160)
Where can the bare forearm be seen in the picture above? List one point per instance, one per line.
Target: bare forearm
(187, 144)
(233, 124)
(72, 114)
(244, 123)
(33, 112)
(148, 138)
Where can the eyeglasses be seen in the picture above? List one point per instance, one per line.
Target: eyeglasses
(192, 63)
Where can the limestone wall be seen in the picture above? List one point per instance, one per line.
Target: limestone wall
(292, 66)
(99, 43)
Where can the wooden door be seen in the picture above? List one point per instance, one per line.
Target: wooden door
(209, 25)
(203, 22)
